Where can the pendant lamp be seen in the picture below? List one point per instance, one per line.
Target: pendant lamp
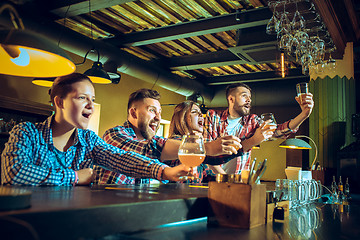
(27, 54)
(43, 82)
(97, 74)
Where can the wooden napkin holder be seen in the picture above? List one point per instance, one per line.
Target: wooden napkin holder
(237, 205)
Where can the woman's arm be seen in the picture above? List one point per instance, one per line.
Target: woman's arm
(131, 163)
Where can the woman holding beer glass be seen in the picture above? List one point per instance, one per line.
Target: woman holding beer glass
(188, 123)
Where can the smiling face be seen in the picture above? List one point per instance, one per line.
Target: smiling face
(240, 102)
(78, 105)
(146, 115)
(195, 119)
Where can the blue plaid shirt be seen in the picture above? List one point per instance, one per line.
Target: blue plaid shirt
(30, 158)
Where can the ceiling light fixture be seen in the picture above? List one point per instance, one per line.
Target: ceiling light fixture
(24, 53)
(96, 73)
(43, 82)
(282, 69)
(202, 106)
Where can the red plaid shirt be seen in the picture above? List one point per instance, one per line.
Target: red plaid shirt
(216, 123)
(125, 138)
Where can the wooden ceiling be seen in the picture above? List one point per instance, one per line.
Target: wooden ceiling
(214, 42)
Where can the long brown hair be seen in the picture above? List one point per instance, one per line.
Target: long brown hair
(179, 124)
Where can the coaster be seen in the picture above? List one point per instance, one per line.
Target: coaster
(14, 198)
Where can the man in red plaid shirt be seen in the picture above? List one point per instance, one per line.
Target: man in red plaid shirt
(236, 120)
(138, 135)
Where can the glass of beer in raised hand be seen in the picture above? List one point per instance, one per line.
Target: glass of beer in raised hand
(191, 153)
(270, 119)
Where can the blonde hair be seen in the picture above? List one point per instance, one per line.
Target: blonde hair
(179, 124)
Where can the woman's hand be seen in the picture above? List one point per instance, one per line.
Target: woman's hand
(85, 176)
(223, 145)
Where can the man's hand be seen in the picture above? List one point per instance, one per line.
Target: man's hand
(173, 173)
(306, 103)
(223, 145)
(265, 131)
(85, 176)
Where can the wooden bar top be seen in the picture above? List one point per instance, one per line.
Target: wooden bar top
(75, 212)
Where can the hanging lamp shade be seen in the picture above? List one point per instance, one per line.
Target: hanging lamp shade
(97, 74)
(24, 53)
(295, 143)
(43, 82)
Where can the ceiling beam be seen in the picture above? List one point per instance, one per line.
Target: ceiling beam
(203, 60)
(255, 77)
(76, 8)
(350, 8)
(246, 19)
(251, 40)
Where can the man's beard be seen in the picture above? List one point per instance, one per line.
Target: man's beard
(242, 111)
(146, 131)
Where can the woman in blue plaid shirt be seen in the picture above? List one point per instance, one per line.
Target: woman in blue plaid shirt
(60, 151)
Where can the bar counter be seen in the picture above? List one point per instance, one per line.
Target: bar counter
(158, 212)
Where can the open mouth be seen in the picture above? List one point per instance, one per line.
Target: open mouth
(153, 126)
(247, 106)
(200, 123)
(86, 115)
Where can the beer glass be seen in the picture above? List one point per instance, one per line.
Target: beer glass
(301, 89)
(265, 117)
(191, 153)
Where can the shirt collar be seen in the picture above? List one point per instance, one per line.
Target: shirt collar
(78, 138)
(130, 128)
(225, 116)
(47, 133)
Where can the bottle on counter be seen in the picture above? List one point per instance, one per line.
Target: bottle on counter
(347, 189)
(334, 189)
(341, 190)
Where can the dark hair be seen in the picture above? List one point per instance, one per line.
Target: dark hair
(63, 85)
(230, 88)
(142, 94)
(179, 121)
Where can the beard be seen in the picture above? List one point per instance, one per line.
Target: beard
(145, 129)
(242, 110)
